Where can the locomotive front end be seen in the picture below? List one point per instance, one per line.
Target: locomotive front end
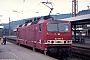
(58, 37)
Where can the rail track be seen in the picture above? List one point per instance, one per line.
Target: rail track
(82, 53)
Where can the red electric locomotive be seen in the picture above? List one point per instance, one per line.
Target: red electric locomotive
(45, 34)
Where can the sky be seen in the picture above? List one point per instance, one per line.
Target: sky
(20, 9)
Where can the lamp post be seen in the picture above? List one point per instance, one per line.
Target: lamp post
(9, 27)
(88, 9)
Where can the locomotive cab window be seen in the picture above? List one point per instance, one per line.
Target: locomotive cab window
(40, 27)
(52, 27)
(64, 27)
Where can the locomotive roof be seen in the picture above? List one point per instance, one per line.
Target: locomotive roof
(40, 21)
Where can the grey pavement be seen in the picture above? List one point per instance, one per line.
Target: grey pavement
(11, 51)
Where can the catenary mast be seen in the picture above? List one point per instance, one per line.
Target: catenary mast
(74, 8)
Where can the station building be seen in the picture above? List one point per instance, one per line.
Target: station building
(80, 26)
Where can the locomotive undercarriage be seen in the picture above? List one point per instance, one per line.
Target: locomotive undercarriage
(59, 51)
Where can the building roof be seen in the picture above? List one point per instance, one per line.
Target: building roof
(81, 17)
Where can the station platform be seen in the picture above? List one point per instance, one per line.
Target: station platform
(86, 44)
(11, 51)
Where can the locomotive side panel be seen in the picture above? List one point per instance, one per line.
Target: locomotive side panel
(21, 35)
(39, 36)
(28, 36)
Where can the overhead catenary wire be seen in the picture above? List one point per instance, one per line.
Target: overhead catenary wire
(37, 6)
(26, 11)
